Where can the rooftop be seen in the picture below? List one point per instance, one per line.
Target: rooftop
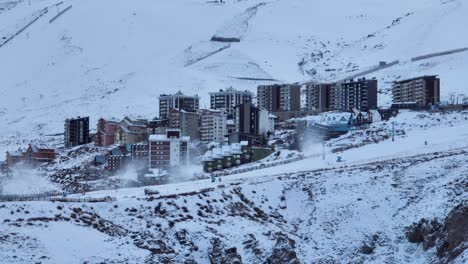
(417, 78)
(165, 138)
(178, 94)
(224, 151)
(231, 90)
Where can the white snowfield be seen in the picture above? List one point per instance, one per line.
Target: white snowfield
(330, 210)
(113, 58)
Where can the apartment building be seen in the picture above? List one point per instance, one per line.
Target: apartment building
(178, 101)
(139, 151)
(187, 122)
(213, 126)
(424, 91)
(247, 119)
(318, 97)
(76, 131)
(131, 131)
(227, 100)
(227, 156)
(360, 94)
(247, 125)
(105, 132)
(279, 98)
(169, 150)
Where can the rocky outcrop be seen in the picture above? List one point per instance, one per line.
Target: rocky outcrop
(219, 254)
(455, 239)
(369, 246)
(450, 237)
(284, 251)
(425, 232)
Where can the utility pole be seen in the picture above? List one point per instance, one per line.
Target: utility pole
(393, 131)
(323, 150)
(86, 178)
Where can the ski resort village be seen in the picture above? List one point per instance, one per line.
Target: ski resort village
(234, 131)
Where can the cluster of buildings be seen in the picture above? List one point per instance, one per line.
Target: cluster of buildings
(34, 155)
(360, 94)
(234, 122)
(163, 143)
(231, 118)
(235, 126)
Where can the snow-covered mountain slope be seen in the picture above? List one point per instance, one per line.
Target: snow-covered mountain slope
(114, 57)
(310, 211)
(355, 214)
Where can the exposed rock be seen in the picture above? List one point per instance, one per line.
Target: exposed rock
(450, 238)
(368, 247)
(284, 251)
(424, 232)
(184, 239)
(455, 239)
(252, 245)
(220, 255)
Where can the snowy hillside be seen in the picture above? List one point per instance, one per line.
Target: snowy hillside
(114, 57)
(310, 211)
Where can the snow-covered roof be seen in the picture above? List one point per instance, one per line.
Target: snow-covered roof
(165, 138)
(216, 153)
(129, 122)
(15, 153)
(116, 152)
(157, 137)
(37, 147)
(223, 151)
(335, 118)
(236, 149)
(208, 156)
(210, 111)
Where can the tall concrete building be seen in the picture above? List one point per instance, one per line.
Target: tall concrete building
(178, 101)
(279, 98)
(247, 125)
(318, 97)
(247, 119)
(169, 150)
(187, 122)
(213, 126)
(424, 91)
(227, 99)
(76, 132)
(360, 95)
